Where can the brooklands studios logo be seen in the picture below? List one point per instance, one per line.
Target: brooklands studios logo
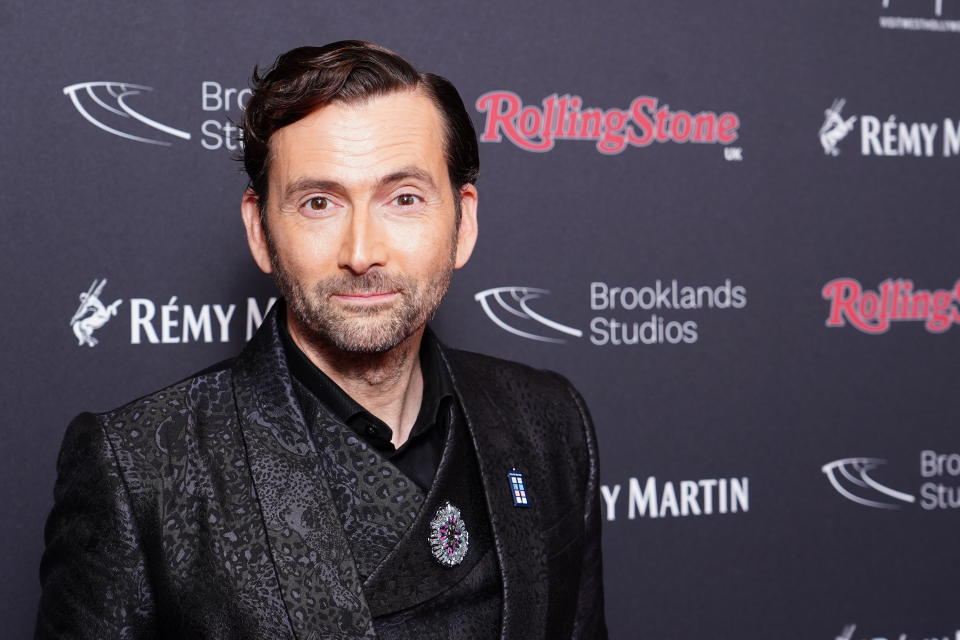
(106, 105)
(890, 137)
(118, 108)
(644, 122)
(855, 479)
(510, 309)
(632, 315)
(851, 478)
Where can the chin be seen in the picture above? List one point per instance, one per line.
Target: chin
(366, 337)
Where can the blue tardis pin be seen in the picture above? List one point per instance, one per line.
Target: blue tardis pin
(518, 489)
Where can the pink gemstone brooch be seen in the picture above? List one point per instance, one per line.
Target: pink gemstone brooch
(449, 538)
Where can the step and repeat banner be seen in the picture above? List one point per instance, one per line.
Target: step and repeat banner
(732, 225)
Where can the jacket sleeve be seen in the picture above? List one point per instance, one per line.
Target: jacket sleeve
(590, 621)
(93, 570)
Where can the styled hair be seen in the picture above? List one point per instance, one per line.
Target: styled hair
(307, 78)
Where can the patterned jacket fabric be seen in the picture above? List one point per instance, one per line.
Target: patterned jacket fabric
(387, 522)
(205, 510)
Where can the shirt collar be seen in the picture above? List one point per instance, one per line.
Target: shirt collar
(437, 387)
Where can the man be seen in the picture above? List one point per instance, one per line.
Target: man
(346, 476)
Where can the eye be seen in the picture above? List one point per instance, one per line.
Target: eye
(406, 199)
(317, 203)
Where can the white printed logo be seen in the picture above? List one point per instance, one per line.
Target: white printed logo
(109, 101)
(915, 16)
(92, 314)
(937, 6)
(890, 137)
(514, 304)
(672, 498)
(847, 632)
(851, 476)
(850, 629)
(634, 314)
(835, 128)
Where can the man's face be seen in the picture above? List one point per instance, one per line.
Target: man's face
(361, 217)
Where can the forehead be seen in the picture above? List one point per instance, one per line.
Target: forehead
(361, 141)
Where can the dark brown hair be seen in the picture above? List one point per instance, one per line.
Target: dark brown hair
(307, 78)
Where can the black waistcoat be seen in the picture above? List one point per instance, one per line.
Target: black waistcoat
(386, 521)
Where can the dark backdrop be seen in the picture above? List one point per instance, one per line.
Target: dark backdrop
(764, 475)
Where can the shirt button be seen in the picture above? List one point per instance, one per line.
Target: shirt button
(371, 430)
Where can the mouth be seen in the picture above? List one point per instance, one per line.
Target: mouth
(365, 297)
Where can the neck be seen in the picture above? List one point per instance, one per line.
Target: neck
(388, 384)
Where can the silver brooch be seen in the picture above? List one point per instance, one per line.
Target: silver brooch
(449, 538)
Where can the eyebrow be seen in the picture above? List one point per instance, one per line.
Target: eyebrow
(407, 173)
(404, 173)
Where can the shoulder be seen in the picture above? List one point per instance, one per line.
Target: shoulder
(551, 409)
(539, 394)
(188, 394)
(500, 376)
(539, 419)
(153, 424)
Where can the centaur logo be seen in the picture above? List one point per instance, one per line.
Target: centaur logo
(92, 313)
(890, 137)
(168, 320)
(835, 128)
(108, 100)
(645, 121)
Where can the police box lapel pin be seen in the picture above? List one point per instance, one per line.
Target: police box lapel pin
(518, 488)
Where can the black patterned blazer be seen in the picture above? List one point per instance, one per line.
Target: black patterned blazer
(199, 512)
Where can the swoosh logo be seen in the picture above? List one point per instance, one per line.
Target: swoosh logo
(509, 309)
(109, 101)
(851, 478)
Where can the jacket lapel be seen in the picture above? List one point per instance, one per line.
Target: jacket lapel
(410, 574)
(375, 501)
(315, 569)
(516, 531)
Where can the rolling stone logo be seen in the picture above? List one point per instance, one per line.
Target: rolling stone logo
(874, 311)
(644, 122)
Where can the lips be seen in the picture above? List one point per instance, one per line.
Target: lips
(365, 295)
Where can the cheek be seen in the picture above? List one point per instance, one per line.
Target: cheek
(302, 254)
(425, 251)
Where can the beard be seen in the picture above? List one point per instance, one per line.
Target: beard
(362, 328)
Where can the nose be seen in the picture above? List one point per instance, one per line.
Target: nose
(363, 245)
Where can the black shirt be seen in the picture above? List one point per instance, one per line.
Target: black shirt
(419, 456)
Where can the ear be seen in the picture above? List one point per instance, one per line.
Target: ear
(250, 210)
(467, 234)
